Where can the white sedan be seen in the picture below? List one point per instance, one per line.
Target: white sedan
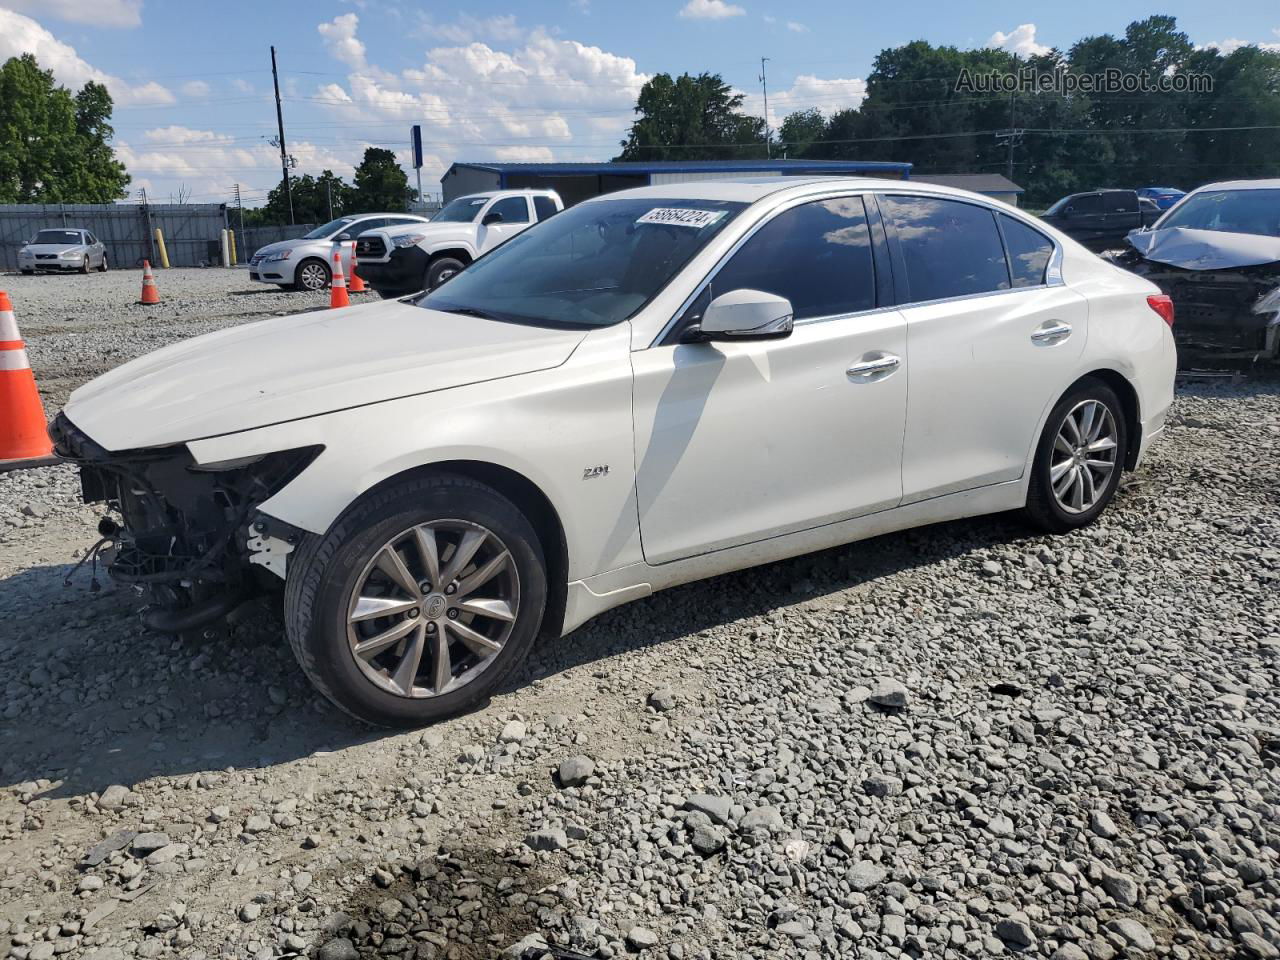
(655, 386)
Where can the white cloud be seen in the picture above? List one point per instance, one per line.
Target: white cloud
(796, 27)
(710, 10)
(100, 13)
(19, 35)
(208, 163)
(340, 39)
(467, 29)
(241, 85)
(195, 88)
(1021, 40)
(1228, 47)
(534, 97)
(827, 95)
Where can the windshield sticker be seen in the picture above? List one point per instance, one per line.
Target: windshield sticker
(682, 217)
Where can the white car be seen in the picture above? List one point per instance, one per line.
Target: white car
(63, 249)
(654, 386)
(307, 262)
(399, 260)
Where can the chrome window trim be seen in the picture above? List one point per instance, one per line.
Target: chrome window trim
(1053, 270)
(741, 241)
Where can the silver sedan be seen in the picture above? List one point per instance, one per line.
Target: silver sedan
(63, 249)
(304, 263)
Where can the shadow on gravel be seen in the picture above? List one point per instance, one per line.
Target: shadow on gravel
(677, 613)
(92, 698)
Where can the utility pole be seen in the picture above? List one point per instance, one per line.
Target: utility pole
(764, 85)
(284, 154)
(328, 186)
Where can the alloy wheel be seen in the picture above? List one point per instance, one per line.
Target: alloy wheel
(433, 608)
(1084, 456)
(313, 276)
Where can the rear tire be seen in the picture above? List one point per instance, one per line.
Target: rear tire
(340, 584)
(441, 269)
(1074, 477)
(102, 267)
(27, 273)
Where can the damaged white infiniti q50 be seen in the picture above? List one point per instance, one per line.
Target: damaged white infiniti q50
(652, 387)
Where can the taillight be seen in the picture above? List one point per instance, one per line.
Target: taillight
(1163, 305)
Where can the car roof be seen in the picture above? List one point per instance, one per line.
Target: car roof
(752, 189)
(524, 191)
(355, 217)
(1272, 184)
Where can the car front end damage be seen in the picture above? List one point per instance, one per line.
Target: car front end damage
(186, 534)
(1230, 312)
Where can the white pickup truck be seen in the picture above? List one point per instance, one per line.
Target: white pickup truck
(396, 261)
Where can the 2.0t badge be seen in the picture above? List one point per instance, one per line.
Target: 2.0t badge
(590, 473)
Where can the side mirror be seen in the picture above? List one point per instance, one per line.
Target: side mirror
(743, 315)
(491, 218)
(342, 237)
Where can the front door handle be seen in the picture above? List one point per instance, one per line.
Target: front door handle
(873, 368)
(1054, 333)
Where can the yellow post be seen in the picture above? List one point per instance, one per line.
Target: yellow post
(231, 238)
(164, 254)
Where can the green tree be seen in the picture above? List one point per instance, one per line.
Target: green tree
(800, 129)
(692, 118)
(380, 183)
(55, 148)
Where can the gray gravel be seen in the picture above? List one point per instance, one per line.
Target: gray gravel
(955, 742)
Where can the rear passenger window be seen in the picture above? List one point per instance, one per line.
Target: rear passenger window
(1029, 252)
(950, 248)
(544, 207)
(817, 255)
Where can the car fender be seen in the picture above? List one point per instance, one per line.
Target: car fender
(567, 430)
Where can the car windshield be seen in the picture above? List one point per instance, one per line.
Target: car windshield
(593, 265)
(1056, 207)
(330, 228)
(58, 236)
(461, 210)
(1230, 211)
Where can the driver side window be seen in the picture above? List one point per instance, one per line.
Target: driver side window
(511, 209)
(817, 255)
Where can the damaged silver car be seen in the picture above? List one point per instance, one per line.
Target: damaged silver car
(1217, 255)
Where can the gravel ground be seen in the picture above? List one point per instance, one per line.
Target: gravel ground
(956, 742)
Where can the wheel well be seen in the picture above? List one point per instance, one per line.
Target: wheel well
(533, 503)
(1132, 414)
(457, 254)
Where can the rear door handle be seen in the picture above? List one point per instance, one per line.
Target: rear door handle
(873, 368)
(1053, 333)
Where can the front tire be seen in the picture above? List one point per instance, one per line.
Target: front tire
(418, 602)
(1079, 458)
(312, 274)
(441, 269)
(84, 267)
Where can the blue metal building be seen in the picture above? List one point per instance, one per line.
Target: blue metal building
(578, 181)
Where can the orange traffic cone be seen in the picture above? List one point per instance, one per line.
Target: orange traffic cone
(150, 294)
(357, 284)
(338, 287)
(23, 434)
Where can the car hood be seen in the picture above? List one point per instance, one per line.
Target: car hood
(53, 248)
(278, 246)
(300, 366)
(427, 228)
(1204, 249)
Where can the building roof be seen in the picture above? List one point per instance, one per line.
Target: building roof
(974, 182)
(687, 166)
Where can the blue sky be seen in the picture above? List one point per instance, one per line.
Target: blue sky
(535, 80)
